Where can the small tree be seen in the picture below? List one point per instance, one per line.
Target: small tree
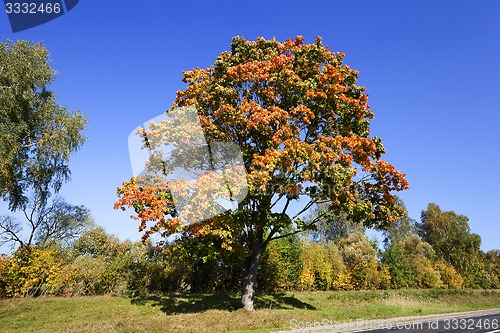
(302, 124)
(400, 269)
(361, 261)
(281, 264)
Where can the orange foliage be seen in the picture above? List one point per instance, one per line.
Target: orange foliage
(302, 124)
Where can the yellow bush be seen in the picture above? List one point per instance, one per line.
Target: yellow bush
(32, 272)
(323, 268)
(449, 276)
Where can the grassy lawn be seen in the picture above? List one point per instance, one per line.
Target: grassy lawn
(220, 313)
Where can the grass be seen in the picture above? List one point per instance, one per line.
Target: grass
(220, 313)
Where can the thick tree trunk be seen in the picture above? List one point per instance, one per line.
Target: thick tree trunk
(250, 278)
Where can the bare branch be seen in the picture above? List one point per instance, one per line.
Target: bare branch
(9, 231)
(306, 207)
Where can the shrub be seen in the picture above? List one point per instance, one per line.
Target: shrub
(449, 276)
(360, 258)
(32, 272)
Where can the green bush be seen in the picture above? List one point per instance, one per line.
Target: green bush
(281, 265)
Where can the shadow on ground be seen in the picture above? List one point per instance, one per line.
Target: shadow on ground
(191, 303)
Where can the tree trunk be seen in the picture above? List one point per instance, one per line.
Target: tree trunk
(250, 278)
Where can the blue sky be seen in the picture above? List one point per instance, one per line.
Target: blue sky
(430, 67)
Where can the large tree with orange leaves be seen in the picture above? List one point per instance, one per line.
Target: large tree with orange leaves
(302, 125)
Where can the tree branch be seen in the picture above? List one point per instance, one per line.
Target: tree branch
(296, 231)
(306, 207)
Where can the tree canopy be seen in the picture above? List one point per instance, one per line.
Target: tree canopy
(37, 135)
(302, 124)
(450, 235)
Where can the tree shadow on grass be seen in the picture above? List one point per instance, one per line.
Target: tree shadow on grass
(195, 303)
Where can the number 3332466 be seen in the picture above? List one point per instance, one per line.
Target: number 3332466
(32, 8)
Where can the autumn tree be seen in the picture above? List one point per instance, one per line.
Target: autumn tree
(450, 236)
(303, 127)
(37, 135)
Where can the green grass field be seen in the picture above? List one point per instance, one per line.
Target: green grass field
(220, 313)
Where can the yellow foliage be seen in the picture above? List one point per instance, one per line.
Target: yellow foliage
(385, 277)
(32, 272)
(323, 268)
(449, 276)
(306, 277)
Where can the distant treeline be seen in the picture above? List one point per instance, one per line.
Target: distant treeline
(437, 252)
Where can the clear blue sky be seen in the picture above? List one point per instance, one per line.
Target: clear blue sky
(431, 69)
